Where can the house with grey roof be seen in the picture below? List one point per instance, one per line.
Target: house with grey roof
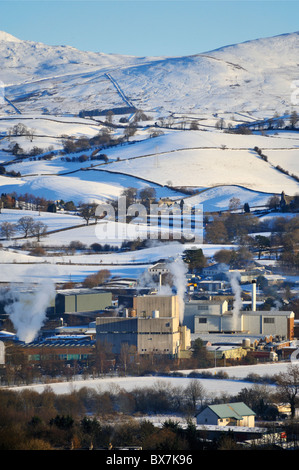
(227, 414)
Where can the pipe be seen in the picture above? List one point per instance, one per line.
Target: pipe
(253, 300)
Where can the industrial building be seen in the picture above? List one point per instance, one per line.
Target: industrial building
(62, 348)
(81, 300)
(261, 322)
(152, 327)
(204, 317)
(195, 309)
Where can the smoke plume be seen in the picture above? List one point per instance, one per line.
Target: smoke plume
(178, 269)
(234, 282)
(27, 311)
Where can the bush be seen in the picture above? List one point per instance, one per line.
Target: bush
(38, 251)
(94, 280)
(77, 245)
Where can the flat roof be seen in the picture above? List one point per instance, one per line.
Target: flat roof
(81, 291)
(234, 338)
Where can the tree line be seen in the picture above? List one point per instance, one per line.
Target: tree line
(26, 226)
(113, 417)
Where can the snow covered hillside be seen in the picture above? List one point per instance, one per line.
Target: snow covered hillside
(250, 77)
(208, 159)
(45, 87)
(213, 162)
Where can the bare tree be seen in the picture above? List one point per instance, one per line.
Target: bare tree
(234, 204)
(109, 116)
(96, 279)
(87, 212)
(288, 387)
(195, 392)
(194, 126)
(273, 202)
(294, 118)
(39, 230)
(7, 230)
(126, 352)
(129, 131)
(25, 225)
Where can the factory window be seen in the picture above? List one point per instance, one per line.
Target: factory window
(202, 307)
(268, 320)
(34, 357)
(202, 320)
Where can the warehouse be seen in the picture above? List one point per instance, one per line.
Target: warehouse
(76, 348)
(81, 300)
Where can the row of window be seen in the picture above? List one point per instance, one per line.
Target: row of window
(157, 350)
(67, 357)
(130, 332)
(266, 320)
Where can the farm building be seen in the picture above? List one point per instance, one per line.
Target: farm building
(235, 414)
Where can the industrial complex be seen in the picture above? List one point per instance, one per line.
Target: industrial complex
(150, 321)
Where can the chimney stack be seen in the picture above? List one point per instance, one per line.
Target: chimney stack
(253, 299)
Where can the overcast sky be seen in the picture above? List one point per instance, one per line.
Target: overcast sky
(147, 28)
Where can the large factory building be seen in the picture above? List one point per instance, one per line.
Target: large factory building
(152, 326)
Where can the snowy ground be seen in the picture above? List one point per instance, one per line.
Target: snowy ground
(18, 267)
(224, 164)
(213, 387)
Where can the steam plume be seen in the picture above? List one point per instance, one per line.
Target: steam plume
(178, 270)
(234, 282)
(28, 310)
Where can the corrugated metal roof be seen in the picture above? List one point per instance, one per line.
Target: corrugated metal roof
(232, 410)
(60, 343)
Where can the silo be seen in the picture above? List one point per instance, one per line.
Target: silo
(132, 312)
(246, 343)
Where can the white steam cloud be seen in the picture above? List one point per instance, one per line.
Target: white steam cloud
(27, 311)
(234, 282)
(178, 270)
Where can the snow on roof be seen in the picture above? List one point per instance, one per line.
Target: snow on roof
(6, 334)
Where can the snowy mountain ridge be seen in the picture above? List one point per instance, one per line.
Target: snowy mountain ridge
(254, 76)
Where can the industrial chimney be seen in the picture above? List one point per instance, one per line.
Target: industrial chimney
(253, 298)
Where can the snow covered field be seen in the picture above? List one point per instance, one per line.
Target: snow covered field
(50, 85)
(179, 158)
(212, 387)
(19, 265)
(211, 158)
